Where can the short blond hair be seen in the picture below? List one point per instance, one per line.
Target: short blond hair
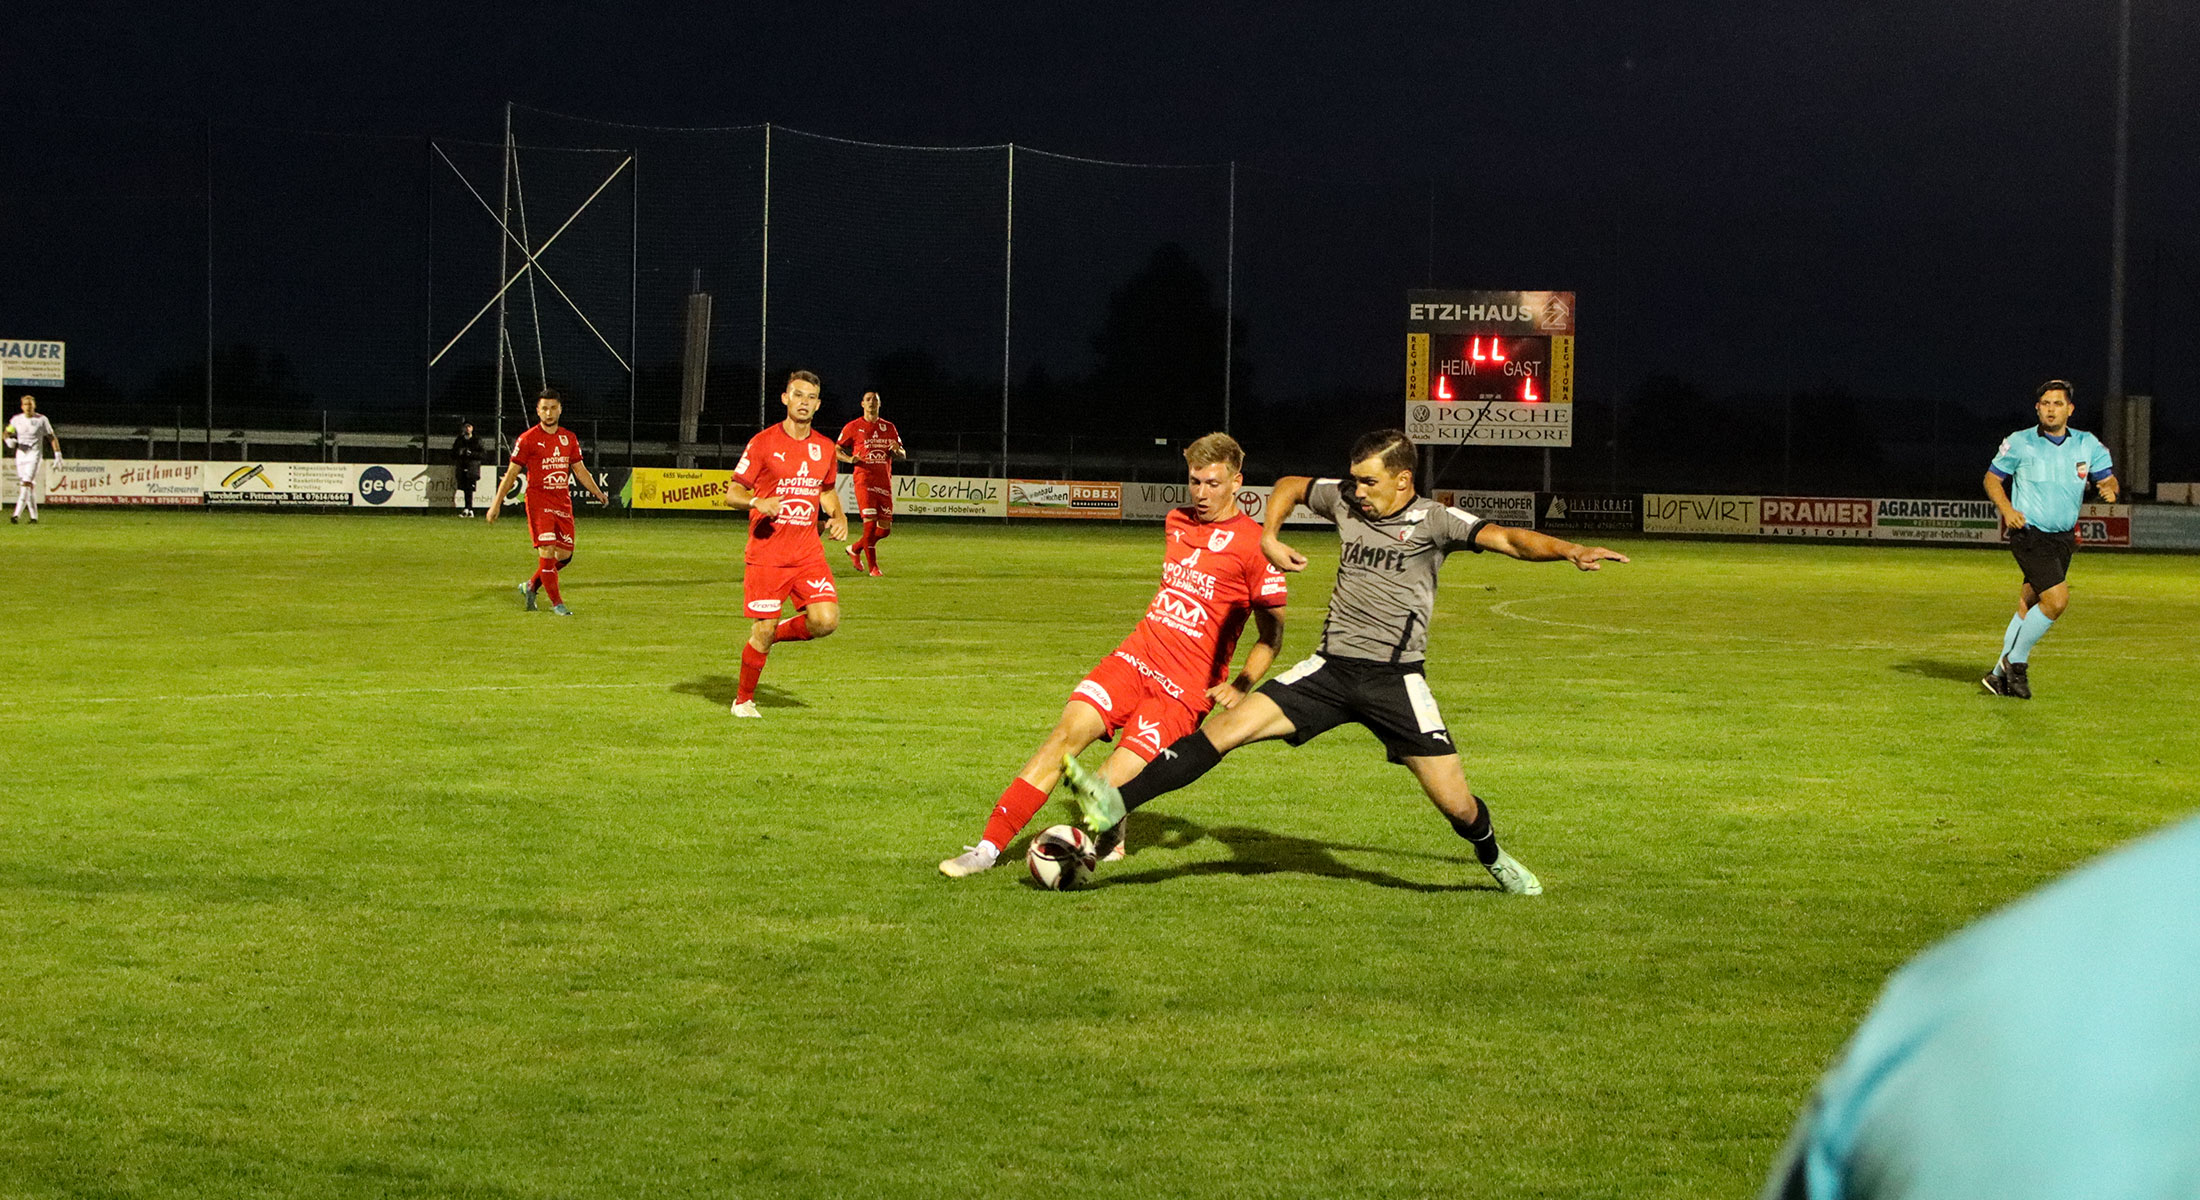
(1216, 448)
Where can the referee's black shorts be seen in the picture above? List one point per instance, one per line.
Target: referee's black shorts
(2043, 557)
(1391, 699)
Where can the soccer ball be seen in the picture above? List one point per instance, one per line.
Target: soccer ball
(1061, 858)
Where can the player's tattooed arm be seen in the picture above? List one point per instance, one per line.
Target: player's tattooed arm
(1282, 502)
(1530, 546)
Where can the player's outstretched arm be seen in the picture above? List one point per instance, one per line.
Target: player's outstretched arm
(1282, 502)
(503, 489)
(589, 481)
(1530, 546)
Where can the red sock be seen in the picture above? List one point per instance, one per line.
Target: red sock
(549, 576)
(1013, 812)
(884, 530)
(752, 668)
(864, 543)
(794, 629)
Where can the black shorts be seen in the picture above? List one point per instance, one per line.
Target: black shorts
(2043, 557)
(1391, 699)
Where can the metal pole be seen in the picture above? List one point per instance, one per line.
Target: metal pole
(1229, 301)
(504, 256)
(2118, 436)
(764, 299)
(427, 270)
(210, 288)
(633, 307)
(1431, 235)
(1008, 287)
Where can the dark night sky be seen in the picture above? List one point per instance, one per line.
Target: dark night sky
(1895, 197)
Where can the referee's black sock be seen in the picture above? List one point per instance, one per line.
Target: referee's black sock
(1184, 760)
(1477, 832)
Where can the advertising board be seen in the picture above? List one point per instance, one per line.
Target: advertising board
(1505, 508)
(1152, 502)
(2104, 524)
(1667, 513)
(320, 485)
(666, 487)
(33, 364)
(949, 496)
(1588, 512)
(126, 481)
(1065, 498)
(1936, 521)
(1814, 517)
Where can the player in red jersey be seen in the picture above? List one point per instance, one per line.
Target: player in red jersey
(1170, 671)
(872, 444)
(552, 459)
(786, 474)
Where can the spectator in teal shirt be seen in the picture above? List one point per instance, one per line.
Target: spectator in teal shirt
(2051, 464)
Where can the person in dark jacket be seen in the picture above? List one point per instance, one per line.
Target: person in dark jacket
(467, 455)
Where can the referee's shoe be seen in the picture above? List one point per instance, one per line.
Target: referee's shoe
(2008, 679)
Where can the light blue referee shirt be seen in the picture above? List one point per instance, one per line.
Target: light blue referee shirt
(2050, 1050)
(2051, 474)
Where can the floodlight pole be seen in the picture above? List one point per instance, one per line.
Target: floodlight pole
(2114, 423)
(633, 305)
(764, 295)
(1008, 290)
(427, 274)
(209, 289)
(1229, 300)
(504, 271)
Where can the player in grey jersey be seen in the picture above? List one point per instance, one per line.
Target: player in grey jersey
(1368, 669)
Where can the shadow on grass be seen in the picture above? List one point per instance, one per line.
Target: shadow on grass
(643, 583)
(720, 690)
(1953, 672)
(1260, 852)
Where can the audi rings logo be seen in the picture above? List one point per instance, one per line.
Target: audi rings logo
(377, 485)
(1420, 412)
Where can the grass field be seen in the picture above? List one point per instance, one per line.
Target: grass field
(325, 871)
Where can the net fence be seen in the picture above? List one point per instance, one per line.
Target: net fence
(1023, 312)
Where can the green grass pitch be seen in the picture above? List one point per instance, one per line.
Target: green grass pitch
(325, 871)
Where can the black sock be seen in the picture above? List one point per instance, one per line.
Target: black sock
(1184, 760)
(1478, 832)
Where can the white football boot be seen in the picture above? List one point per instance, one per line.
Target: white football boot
(746, 708)
(973, 859)
(1513, 878)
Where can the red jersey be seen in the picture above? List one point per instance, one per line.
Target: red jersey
(548, 459)
(1213, 576)
(796, 470)
(870, 443)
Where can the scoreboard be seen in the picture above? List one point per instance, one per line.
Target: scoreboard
(1490, 368)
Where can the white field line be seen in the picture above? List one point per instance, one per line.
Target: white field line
(1953, 643)
(51, 702)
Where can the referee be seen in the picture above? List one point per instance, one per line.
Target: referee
(2049, 464)
(1369, 667)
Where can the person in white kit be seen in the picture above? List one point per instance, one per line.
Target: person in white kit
(27, 435)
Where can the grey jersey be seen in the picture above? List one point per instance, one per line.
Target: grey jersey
(1386, 573)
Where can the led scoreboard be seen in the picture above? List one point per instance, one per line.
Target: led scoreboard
(1490, 368)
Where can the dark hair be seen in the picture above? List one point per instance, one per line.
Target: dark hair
(2057, 385)
(808, 377)
(1394, 447)
(549, 393)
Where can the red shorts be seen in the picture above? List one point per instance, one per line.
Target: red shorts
(764, 587)
(874, 491)
(1136, 702)
(552, 528)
